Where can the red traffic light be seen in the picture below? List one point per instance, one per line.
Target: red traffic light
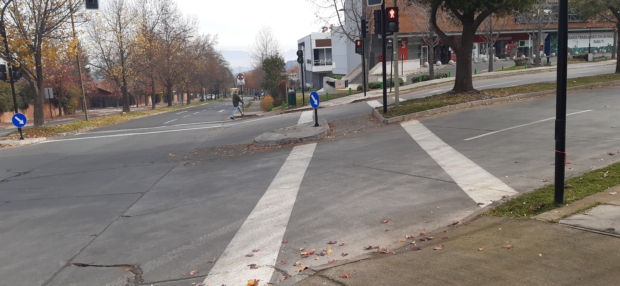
(358, 47)
(391, 24)
(392, 13)
(358, 43)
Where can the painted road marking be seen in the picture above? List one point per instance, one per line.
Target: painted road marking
(186, 116)
(151, 128)
(498, 83)
(265, 226)
(196, 112)
(539, 121)
(374, 103)
(306, 116)
(221, 110)
(170, 121)
(477, 183)
(180, 112)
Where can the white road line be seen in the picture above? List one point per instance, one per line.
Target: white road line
(170, 121)
(374, 103)
(306, 116)
(196, 112)
(180, 112)
(186, 116)
(221, 110)
(150, 128)
(539, 121)
(264, 228)
(477, 183)
(497, 83)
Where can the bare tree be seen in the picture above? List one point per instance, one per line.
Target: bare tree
(31, 24)
(111, 35)
(420, 14)
(534, 19)
(265, 45)
(491, 29)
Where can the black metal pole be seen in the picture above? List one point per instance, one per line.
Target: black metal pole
(560, 117)
(9, 66)
(316, 117)
(590, 41)
(364, 65)
(303, 95)
(383, 57)
(392, 68)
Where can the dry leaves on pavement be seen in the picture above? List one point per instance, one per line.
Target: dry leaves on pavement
(253, 282)
(328, 251)
(507, 246)
(438, 247)
(333, 260)
(332, 242)
(193, 272)
(213, 260)
(345, 275)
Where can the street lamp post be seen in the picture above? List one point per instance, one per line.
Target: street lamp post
(9, 62)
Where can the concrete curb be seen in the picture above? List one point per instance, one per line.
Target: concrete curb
(293, 134)
(490, 101)
(19, 143)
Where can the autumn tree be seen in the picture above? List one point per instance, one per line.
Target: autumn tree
(275, 72)
(110, 36)
(30, 26)
(469, 15)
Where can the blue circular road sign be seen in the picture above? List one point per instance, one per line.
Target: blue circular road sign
(19, 120)
(315, 101)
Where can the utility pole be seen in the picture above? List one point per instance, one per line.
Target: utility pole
(79, 66)
(9, 64)
(384, 56)
(560, 117)
(395, 48)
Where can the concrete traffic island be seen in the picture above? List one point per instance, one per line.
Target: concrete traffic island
(293, 134)
(17, 143)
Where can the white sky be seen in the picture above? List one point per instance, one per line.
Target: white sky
(237, 21)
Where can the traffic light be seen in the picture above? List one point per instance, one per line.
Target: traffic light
(391, 23)
(92, 4)
(300, 56)
(3, 75)
(358, 47)
(364, 28)
(377, 22)
(16, 73)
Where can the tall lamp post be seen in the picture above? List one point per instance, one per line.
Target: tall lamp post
(9, 62)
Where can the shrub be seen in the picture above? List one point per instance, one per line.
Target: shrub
(335, 76)
(401, 82)
(266, 103)
(374, 85)
(521, 61)
(360, 87)
(427, 77)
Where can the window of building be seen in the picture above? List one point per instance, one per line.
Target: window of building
(323, 57)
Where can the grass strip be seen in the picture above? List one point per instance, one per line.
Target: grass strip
(445, 99)
(53, 130)
(576, 188)
(247, 105)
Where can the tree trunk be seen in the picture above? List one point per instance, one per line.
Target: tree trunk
(537, 50)
(125, 96)
(463, 82)
(39, 92)
(614, 48)
(153, 92)
(169, 94)
(490, 57)
(189, 100)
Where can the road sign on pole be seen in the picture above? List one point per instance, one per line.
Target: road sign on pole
(374, 2)
(315, 101)
(49, 93)
(19, 120)
(240, 79)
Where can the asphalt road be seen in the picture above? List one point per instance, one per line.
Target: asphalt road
(173, 191)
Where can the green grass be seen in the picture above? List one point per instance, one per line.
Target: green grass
(50, 131)
(322, 97)
(247, 105)
(541, 200)
(445, 99)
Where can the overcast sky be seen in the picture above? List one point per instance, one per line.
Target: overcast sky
(237, 22)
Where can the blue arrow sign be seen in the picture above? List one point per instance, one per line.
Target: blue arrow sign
(315, 101)
(19, 120)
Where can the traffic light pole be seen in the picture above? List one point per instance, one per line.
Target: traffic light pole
(383, 56)
(560, 109)
(364, 65)
(303, 93)
(9, 66)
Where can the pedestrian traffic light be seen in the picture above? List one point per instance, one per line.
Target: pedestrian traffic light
(391, 23)
(92, 4)
(377, 22)
(364, 25)
(300, 56)
(358, 47)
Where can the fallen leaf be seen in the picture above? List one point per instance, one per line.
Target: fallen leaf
(386, 251)
(332, 242)
(415, 248)
(344, 254)
(613, 193)
(568, 186)
(480, 204)
(171, 155)
(193, 272)
(369, 247)
(422, 233)
(480, 249)
(285, 241)
(213, 260)
(286, 277)
(253, 266)
(507, 246)
(249, 255)
(544, 180)
(385, 221)
(401, 240)
(283, 262)
(444, 238)
(329, 250)
(345, 275)
(429, 238)
(305, 256)
(254, 250)
(606, 174)
(253, 282)
(297, 263)
(408, 236)
(333, 260)
(343, 243)
(540, 255)
(317, 258)
(302, 249)
(438, 247)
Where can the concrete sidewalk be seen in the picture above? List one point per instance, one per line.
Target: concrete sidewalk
(496, 251)
(375, 94)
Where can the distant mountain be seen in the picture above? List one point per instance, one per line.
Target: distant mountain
(291, 64)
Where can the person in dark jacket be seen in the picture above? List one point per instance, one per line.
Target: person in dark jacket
(236, 101)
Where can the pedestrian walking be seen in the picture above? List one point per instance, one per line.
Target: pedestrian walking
(236, 101)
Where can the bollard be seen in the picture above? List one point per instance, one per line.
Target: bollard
(526, 66)
(327, 96)
(502, 68)
(515, 68)
(350, 91)
(381, 85)
(449, 74)
(475, 71)
(282, 105)
(420, 79)
(270, 107)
